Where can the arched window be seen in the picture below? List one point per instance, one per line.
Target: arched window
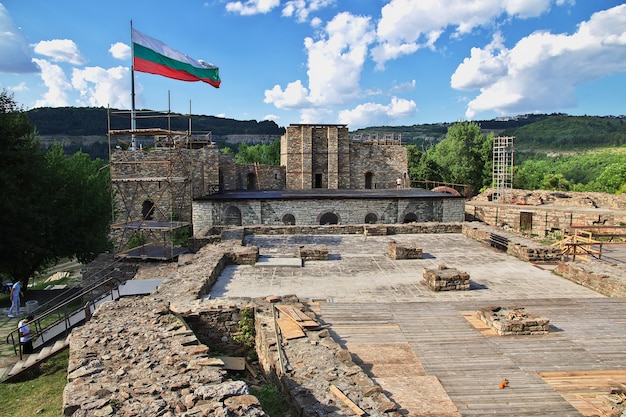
(289, 220)
(232, 216)
(147, 210)
(329, 218)
(251, 182)
(368, 180)
(371, 218)
(410, 218)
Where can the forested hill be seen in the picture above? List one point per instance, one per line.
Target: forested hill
(536, 131)
(533, 131)
(93, 121)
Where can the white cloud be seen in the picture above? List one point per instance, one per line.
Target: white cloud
(20, 87)
(294, 96)
(252, 7)
(369, 114)
(99, 87)
(15, 55)
(336, 60)
(55, 80)
(407, 25)
(60, 50)
(120, 50)
(301, 9)
(541, 72)
(271, 117)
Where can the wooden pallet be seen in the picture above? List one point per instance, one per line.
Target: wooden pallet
(585, 389)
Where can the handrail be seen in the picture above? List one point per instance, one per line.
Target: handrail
(53, 301)
(64, 312)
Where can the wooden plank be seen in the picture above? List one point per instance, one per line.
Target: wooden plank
(289, 329)
(347, 401)
(298, 316)
(478, 324)
(233, 363)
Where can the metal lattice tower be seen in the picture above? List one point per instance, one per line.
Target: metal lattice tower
(503, 166)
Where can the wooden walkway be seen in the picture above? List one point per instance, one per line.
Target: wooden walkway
(563, 373)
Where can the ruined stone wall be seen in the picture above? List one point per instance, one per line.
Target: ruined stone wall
(308, 212)
(559, 198)
(235, 177)
(384, 162)
(603, 278)
(327, 153)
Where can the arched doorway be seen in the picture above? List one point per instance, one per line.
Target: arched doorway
(232, 216)
(410, 218)
(329, 218)
(371, 218)
(369, 176)
(289, 220)
(251, 182)
(147, 210)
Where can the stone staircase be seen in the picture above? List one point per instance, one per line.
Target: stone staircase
(30, 361)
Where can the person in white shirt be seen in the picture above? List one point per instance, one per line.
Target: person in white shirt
(16, 290)
(26, 339)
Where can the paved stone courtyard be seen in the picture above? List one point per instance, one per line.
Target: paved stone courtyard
(359, 270)
(412, 340)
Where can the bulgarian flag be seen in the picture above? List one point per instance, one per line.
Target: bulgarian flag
(155, 57)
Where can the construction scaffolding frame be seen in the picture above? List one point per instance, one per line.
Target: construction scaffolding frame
(502, 167)
(151, 188)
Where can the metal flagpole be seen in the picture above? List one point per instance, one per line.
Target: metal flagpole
(133, 121)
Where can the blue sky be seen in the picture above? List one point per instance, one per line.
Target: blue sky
(358, 62)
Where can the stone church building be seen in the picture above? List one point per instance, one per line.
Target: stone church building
(325, 177)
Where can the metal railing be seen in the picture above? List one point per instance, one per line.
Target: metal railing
(60, 318)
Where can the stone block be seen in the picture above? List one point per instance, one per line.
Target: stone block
(404, 251)
(513, 321)
(446, 279)
(313, 252)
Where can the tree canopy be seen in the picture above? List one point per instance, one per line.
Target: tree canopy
(52, 206)
(463, 157)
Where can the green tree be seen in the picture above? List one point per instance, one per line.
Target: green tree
(261, 154)
(612, 179)
(52, 206)
(464, 156)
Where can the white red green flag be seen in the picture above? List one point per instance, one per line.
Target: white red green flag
(155, 57)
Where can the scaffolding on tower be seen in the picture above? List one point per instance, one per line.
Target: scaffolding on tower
(503, 168)
(151, 186)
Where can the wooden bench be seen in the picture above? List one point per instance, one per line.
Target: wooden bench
(497, 241)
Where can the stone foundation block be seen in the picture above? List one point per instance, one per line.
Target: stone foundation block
(375, 230)
(406, 251)
(313, 252)
(446, 279)
(513, 321)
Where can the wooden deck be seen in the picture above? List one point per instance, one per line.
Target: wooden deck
(460, 365)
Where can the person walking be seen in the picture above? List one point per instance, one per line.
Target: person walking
(26, 339)
(16, 291)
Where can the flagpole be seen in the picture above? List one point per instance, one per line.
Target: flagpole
(133, 120)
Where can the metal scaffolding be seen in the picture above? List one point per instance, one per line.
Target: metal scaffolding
(151, 191)
(502, 167)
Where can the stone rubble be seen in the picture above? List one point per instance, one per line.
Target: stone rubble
(138, 356)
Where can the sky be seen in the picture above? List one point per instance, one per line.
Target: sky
(355, 62)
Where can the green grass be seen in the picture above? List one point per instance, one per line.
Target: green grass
(39, 392)
(273, 402)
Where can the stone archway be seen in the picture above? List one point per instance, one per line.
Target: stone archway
(147, 210)
(371, 218)
(289, 219)
(329, 218)
(410, 218)
(232, 216)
